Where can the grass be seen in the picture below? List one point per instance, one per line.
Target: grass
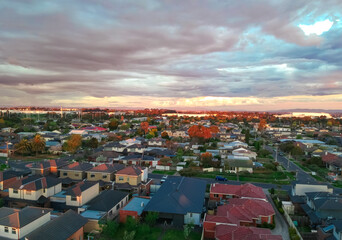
(337, 184)
(140, 234)
(301, 166)
(179, 235)
(167, 172)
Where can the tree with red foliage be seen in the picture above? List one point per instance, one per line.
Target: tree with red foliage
(144, 126)
(200, 132)
(262, 124)
(214, 129)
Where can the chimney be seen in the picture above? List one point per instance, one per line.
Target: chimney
(214, 185)
(142, 204)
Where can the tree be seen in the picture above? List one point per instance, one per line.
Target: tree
(165, 135)
(144, 126)
(37, 144)
(151, 218)
(165, 161)
(206, 159)
(247, 136)
(23, 147)
(92, 143)
(262, 125)
(74, 142)
(113, 124)
(110, 228)
(199, 132)
(188, 229)
(214, 129)
(129, 235)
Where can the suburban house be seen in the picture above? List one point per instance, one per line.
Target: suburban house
(238, 164)
(104, 172)
(75, 171)
(179, 201)
(239, 212)
(139, 159)
(134, 208)
(299, 189)
(244, 153)
(33, 190)
(47, 167)
(105, 206)
(222, 192)
(132, 178)
(81, 193)
(6, 179)
(226, 232)
(16, 224)
(156, 142)
(68, 226)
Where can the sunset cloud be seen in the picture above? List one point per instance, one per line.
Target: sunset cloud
(183, 54)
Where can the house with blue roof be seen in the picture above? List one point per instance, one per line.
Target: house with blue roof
(179, 201)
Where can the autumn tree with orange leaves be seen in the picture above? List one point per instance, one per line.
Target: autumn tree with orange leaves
(199, 132)
(262, 125)
(144, 126)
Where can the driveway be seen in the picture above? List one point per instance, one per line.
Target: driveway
(281, 225)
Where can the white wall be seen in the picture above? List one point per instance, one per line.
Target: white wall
(195, 219)
(34, 225)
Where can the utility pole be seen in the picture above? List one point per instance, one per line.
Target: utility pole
(276, 156)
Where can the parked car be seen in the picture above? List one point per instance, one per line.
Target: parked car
(220, 178)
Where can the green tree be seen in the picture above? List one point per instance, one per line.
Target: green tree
(110, 228)
(151, 218)
(92, 143)
(23, 147)
(188, 228)
(37, 144)
(129, 235)
(113, 124)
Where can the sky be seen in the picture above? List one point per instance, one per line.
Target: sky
(175, 54)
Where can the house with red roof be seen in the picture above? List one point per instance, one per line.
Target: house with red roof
(75, 171)
(239, 212)
(332, 161)
(104, 172)
(222, 192)
(226, 232)
(47, 167)
(133, 178)
(81, 193)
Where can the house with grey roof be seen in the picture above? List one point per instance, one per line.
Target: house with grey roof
(16, 224)
(179, 201)
(105, 206)
(68, 226)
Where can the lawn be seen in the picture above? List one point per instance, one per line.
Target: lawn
(179, 235)
(170, 172)
(140, 234)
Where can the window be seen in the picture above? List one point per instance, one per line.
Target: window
(92, 175)
(6, 229)
(190, 214)
(127, 178)
(28, 192)
(117, 206)
(73, 198)
(15, 191)
(44, 190)
(76, 174)
(65, 174)
(14, 231)
(121, 178)
(104, 176)
(216, 195)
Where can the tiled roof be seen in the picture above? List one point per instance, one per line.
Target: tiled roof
(246, 190)
(62, 227)
(106, 200)
(20, 218)
(108, 168)
(35, 183)
(238, 210)
(76, 166)
(6, 175)
(179, 195)
(131, 170)
(329, 157)
(78, 188)
(226, 232)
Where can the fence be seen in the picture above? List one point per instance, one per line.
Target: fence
(290, 222)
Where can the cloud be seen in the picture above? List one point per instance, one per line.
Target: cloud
(62, 52)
